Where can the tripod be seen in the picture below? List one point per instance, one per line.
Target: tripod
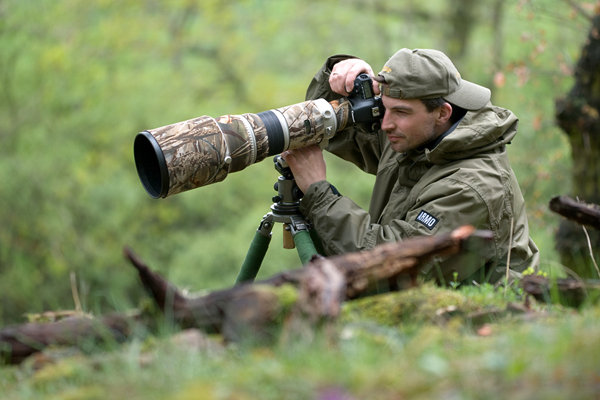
(286, 210)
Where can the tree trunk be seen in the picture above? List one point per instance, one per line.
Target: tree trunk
(462, 18)
(578, 116)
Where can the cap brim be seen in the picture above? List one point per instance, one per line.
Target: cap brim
(470, 96)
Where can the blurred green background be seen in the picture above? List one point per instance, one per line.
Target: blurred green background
(79, 79)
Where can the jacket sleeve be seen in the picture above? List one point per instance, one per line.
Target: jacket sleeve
(360, 148)
(345, 227)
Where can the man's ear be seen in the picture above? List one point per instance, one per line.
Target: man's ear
(445, 114)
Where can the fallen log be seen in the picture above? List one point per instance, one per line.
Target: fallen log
(585, 214)
(322, 285)
(19, 342)
(566, 291)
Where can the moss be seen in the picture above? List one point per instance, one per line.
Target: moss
(89, 392)
(287, 295)
(423, 304)
(197, 390)
(65, 369)
(53, 316)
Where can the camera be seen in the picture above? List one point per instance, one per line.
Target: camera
(204, 150)
(367, 110)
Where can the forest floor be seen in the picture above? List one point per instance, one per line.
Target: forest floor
(423, 343)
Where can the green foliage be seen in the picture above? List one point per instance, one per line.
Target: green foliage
(531, 271)
(79, 79)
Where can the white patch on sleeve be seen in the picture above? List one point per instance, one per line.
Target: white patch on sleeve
(427, 219)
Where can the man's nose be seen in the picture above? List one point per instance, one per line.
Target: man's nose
(386, 123)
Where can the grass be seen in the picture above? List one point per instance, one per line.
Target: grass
(427, 347)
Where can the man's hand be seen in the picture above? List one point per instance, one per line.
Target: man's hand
(307, 165)
(343, 74)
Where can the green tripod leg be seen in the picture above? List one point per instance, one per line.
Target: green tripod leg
(305, 246)
(302, 239)
(256, 253)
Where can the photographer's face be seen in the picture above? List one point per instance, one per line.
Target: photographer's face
(408, 124)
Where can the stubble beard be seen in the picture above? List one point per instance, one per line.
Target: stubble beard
(402, 145)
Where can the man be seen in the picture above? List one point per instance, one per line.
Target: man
(440, 162)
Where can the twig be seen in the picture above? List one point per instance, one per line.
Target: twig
(78, 307)
(589, 242)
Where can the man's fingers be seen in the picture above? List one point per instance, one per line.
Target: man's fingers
(337, 82)
(307, 165)
(376, 89)
(341, 79)
(355, 70)
(289, 158)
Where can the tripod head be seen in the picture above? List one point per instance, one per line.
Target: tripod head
(287, 201)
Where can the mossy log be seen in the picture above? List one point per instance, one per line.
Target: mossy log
(313, 293)
(323, 284)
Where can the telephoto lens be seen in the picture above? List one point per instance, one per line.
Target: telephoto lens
(204, 150)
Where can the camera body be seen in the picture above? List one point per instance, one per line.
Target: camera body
(367, 109)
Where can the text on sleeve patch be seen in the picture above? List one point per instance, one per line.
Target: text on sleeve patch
(427, 219)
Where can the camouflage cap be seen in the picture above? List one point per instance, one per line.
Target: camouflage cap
(428, 74)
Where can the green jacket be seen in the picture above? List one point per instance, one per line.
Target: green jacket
(465, 179)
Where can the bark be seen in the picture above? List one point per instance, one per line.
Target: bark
(248, 310)
(578, 116)
(584, 214)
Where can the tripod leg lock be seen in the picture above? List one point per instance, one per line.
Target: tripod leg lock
(298, 224)
(266, 226)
